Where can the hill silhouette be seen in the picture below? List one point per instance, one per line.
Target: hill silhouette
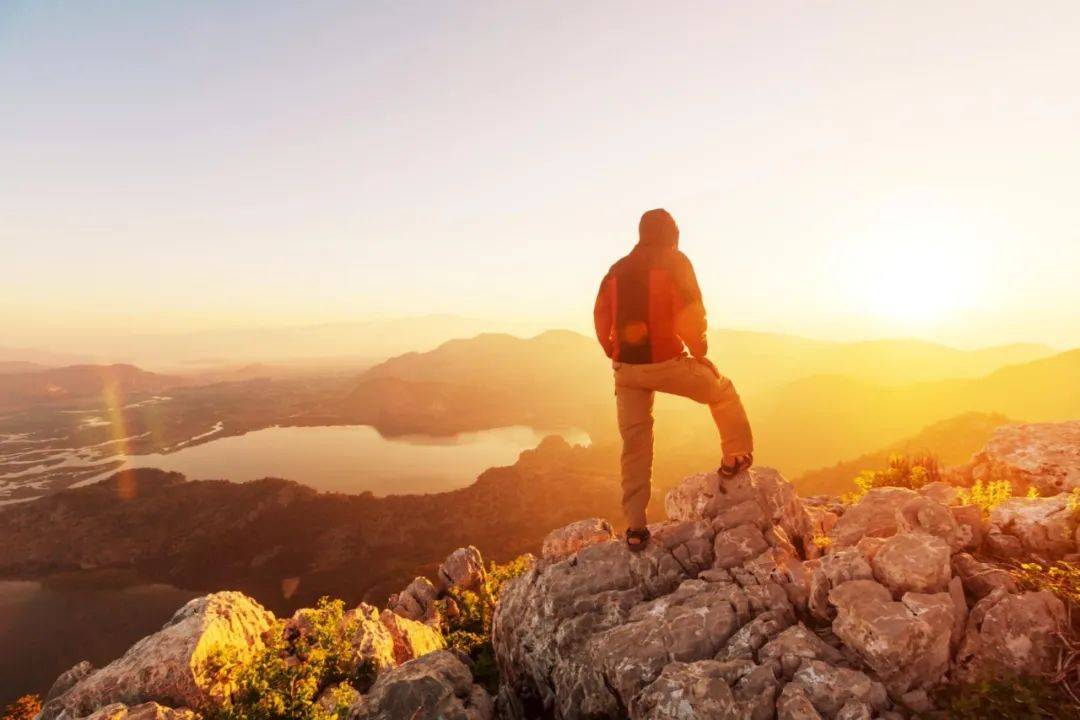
(951, 441)
(834, 416)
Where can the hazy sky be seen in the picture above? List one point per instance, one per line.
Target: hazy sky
(840, 169)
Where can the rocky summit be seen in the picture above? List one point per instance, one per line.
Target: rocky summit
(748, 602)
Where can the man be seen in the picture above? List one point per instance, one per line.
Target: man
(648, 313)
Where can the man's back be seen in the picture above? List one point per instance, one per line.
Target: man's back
(649, 303)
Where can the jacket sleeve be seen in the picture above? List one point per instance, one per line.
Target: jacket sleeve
(604, 317)
(690, 324)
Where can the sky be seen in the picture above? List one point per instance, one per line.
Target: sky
(838, 169)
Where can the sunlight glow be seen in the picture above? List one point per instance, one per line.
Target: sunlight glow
(916, 268)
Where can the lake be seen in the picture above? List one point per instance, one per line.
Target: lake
(352, 458)
(49, 625)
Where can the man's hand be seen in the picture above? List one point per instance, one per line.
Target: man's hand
(709, 364)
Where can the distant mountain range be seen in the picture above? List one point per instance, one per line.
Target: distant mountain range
(821, 417)
(359, 343)
(26, 388)
(873, 394)
(810, 402)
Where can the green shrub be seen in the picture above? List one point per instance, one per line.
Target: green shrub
(1018, 698)
(301, 661)
(24, 708)
(469, 628)
(1061, 578)
(908, 471)
(987, 495)
(295, 665)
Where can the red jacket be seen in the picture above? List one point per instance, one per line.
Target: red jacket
(649, 304)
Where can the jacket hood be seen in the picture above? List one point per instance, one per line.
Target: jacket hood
(658, 228)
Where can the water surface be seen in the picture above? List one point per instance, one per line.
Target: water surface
(352, 458)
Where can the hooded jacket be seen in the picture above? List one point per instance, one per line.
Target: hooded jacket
(649, 304)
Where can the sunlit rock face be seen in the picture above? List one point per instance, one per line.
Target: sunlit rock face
(174, 666)
(733, 612)
(1045, 456)
(436, 686)
(173, 674)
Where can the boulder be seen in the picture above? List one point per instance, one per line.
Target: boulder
(67, 680)
(835, 569)
(1044, 526)
(601, 632)
(788, 650)
(437, 686)
(463, 569)
(970, 525)
(686, 691)
(566, 541)
(888, 636)
(830, 688)
(418, 601)
(410, 639)
(178, 665)
(706, 497)
(1003, 546)
(923, 515)
(913, 562)
(942, 492)
(980, 579)
(736, 546)
(1011, 634)
(794, 704)
(145, 711)
(1045, 456)
(873, 516)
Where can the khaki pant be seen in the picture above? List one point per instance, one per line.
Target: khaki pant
(634, 389)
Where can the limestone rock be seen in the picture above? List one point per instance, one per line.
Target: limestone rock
(923, 515)
(886, 635)
(686, 691)
(736, 546)
(418, 601)
(835, 569)
(969, 524)
(145, 711)
(67, 680)
(410, 639)
(706, 497)
(979, 578)
(794, 704)
(1045, 456)
(830, 688)
(1045, 526)
(913, 562)
(566, 541)
(873, 516)
(463, 568)
(173, 666)
(1011, 634)
(437, 686)
(600, 633)
(942, 492)
(788, 650)
(1003, 546)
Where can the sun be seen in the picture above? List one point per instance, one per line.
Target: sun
(914, 270)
